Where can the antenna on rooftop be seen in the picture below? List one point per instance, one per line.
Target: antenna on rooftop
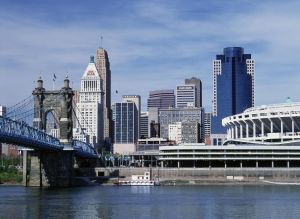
(101, 39)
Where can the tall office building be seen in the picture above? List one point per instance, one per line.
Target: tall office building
(143, 125)
(90, 105)
(103, 67)
(233, 86)
(198, 84)
(184, 115)
(185, 96)
(207, 127)
(137, 100)
(126, 127)
(161, 99)
(158, 99)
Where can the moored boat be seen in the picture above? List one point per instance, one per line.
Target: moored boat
(139, 180)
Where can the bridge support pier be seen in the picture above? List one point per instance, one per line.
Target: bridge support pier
(49, 169)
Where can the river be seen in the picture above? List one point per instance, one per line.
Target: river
(209, 201)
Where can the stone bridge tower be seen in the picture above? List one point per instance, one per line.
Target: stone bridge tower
(59, 102)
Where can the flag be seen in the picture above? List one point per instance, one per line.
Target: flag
(117, 91)
(54, 77)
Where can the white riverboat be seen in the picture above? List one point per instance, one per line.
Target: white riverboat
(139, 180)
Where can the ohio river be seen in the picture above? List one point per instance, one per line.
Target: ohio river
(216, 201)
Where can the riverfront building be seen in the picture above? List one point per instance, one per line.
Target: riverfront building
(126, 127)
(277, 124)
(90, 106)
(136, 99)
(233, 87)
(198, 85)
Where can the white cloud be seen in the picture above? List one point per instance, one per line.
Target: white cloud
(156, 47)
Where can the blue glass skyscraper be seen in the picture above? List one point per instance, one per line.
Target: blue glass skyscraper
(233, 85)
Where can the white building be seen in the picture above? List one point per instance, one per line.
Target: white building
(186, 96)
(90, 105)
(2, 111)
(265, 125)
(175, 132)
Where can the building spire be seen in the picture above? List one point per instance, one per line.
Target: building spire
(101, 39)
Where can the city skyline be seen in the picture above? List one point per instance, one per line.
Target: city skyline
(146, 40)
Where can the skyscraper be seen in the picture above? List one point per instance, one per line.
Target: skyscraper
(186, 96)
(90, 105)
(126, 127)
(143, 125)
(161, 99)
(233, 85)
(198, 84)
(158, 99)
(103, 67)
(137, 100)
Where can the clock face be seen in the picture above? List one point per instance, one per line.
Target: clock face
(91, 73)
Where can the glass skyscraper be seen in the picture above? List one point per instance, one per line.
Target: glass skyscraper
(126, 123)
(233, 85)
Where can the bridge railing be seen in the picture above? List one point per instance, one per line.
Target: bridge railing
(19, 129)
(84, 147)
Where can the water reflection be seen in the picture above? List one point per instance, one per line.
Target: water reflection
(140, 189)
(151, 202)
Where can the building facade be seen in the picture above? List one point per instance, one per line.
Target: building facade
(198, 84)
(233, 85)
(172, 116)
(207, 127)
(161, 99)
(143, 130)
(103, 67)
(186, 96)
(184, 132)
(136, 99)
(277, 124)
(90, 106)
(126, 127)
(175, 132)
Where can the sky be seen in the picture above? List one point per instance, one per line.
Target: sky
(151, 44)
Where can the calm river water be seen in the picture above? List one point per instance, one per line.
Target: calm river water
(220, 201)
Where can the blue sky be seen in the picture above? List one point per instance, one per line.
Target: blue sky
(151, 44)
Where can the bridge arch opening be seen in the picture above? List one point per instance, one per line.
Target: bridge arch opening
(52, 123)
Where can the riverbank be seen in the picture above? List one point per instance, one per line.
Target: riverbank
(205, 176)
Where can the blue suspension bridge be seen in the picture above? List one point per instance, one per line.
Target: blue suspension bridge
(52, 158)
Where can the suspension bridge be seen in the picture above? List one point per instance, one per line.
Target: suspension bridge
(51, 157)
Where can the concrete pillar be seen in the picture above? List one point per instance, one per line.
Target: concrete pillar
(254, 131)
(241, 131)
(247, 130)
(272, 163)
(281, 130)
(232, 133)
(178, 164)
(241, 164)
(288, 164)
(236, 131)
(262, 130)
(225, 165)
(271, 124)
(293, 128)
(256, 164)
(161, 164)
(25, 167)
